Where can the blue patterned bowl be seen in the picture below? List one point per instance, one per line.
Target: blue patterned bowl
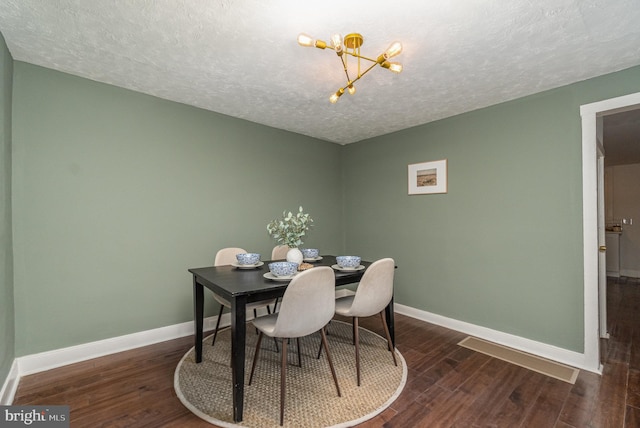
(310, 253)
(283, 268)
(348, 261)
(248, 258)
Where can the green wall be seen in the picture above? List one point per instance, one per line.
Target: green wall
(116, 194)
(7, 331)
(503, 248)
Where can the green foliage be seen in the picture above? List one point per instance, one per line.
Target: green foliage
(290, 228)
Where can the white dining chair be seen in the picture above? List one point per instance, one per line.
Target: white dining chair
(227, 256)
(279, 252)
(307, 305)
(373, 294)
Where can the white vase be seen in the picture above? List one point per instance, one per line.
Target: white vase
(294, 255)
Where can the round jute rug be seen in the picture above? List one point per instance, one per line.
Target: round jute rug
(311, 400)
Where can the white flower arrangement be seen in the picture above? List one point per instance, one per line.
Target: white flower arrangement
(290, 228)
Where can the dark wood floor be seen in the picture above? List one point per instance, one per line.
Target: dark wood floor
(447, 385)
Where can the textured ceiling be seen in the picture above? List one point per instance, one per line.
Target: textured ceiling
(240, 57)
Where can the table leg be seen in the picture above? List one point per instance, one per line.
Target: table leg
(388, 312)
(198, 317)
(238, 333)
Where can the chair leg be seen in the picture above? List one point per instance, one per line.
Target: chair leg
(333, 371)
(215, 333)
(255, 315)
(283, 376)
(299, 353)
(274, 311)
(386, 332)
(275, 305)
(356, 339)
(255, 357)
(320, 347)
(353, 331)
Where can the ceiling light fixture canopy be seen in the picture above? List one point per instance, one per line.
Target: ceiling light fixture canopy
(350, 45)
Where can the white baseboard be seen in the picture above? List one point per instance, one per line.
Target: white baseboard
(571, 358)
(10, 385)
(48, 360)
(632, 273)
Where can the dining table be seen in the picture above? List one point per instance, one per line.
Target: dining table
(241, 285)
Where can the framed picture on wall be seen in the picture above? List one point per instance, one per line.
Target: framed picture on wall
(428, 177)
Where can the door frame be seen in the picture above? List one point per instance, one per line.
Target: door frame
(602, 254)
(590, 113)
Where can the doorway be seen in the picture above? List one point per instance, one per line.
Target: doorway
(591, 115)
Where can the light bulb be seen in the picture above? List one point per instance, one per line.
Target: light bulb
(394, 49)
(305, 40)
(334, 98)
(396, 67)
(336, 42)
(351, 89)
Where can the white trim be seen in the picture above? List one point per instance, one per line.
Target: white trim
(48, 360)
(10, 386)
(612, 105)
(540, 349)
(43, 361)
(589, 113)
(631, 273)
(590, 238)
(602, 236)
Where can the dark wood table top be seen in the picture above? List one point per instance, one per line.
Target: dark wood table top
(231, 282)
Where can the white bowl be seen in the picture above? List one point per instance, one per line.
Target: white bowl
(310, 253)
(248, 258)
(283, 268)
(348, 261)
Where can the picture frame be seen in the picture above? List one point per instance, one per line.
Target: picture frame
(428, 177)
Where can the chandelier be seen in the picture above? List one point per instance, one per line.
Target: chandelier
(350, 46)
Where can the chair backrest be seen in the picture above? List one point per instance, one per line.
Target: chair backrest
(375, 289)
(226, 256)
(308, 303)
(279, 252)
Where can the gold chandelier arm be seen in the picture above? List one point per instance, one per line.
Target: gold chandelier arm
(360, 56)
(366, 71)
(351, 82)
(346, 70)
